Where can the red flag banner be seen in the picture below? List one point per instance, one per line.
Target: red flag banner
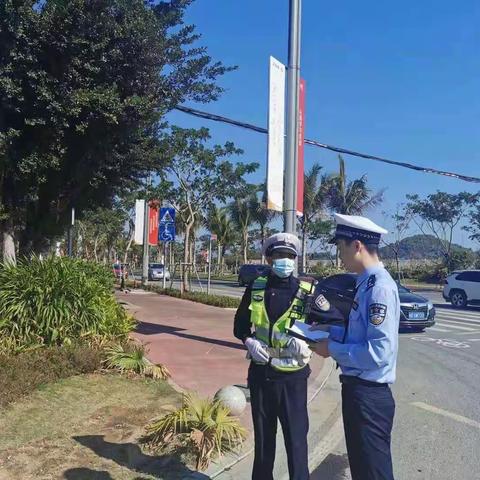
(153, 223)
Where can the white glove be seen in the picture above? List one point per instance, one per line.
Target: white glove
(299, 348)
(257, 351)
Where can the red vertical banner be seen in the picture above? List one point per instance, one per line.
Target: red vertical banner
(300, 146)
(153, 223)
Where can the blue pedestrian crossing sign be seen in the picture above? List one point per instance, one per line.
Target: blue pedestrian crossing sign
(166, 232)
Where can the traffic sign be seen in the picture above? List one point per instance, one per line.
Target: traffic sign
(167, 224)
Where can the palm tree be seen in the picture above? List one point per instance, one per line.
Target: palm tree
(354, 197)
(351, 198)
(219, 223)
(315, 200)
(260, 214)
(242, 217)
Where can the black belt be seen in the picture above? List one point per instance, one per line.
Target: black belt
(349, 380)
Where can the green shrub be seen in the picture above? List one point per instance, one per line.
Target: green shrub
(199, 297)
(22, 373)
(324, 271)
(56, 301)
(202, 426)
(131, 357)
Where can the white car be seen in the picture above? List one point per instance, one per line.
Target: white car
(462, 288)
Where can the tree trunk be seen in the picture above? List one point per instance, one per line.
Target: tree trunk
(262, 234)
(186, 255)
(8, 245)
(245, 247)
(304, 251)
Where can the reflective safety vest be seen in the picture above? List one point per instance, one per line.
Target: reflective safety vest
(274, 335)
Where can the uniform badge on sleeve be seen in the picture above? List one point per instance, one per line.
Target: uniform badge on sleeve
(322, 303)
(377, 313)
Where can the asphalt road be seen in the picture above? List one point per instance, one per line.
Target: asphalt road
(437, 426)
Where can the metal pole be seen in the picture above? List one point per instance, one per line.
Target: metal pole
(164, 265)
(145, 239)
(209, 264)
(293, 76)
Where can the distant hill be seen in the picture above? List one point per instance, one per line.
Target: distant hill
(418, 247)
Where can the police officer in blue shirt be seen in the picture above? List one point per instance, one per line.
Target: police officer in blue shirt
(366, 350)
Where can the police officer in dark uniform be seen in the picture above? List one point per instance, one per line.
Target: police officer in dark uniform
(279, 369)
(366, 350)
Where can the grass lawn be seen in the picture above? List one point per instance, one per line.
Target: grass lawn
(86, 428)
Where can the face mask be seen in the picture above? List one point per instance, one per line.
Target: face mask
(283, 267)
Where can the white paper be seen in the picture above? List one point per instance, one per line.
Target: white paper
(303, 329)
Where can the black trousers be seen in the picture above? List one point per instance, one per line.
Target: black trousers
(368, 411)
(274, 400)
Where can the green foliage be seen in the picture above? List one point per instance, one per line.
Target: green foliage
(323, 271)
(132, 358)
(199, 297)
(22, 373)
(84, 87)
(202, 425)
(351, 198)
(473, 226)
(56, 301)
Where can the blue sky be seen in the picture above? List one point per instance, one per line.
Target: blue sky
(394, 79)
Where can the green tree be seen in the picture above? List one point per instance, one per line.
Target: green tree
(197, 176)
(401, 221)
(315, 200)
(260, 214)
(440, 214)
(219, 223)
(84, 86)
(473, 226)
(242, 215)
(351, 197)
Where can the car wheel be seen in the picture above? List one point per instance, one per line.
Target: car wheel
(458, 299)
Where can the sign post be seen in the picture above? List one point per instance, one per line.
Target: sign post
(166, 234)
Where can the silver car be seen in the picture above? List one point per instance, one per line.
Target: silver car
(156, 272)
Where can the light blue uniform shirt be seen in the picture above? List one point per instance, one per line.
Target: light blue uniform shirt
(371, 343)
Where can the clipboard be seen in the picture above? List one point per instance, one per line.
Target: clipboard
(302, 331)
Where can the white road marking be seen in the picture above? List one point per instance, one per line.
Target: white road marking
(457, 327)
(446, 413)
(457, 319)
(466, 324)
(455, 313)
(435, 329)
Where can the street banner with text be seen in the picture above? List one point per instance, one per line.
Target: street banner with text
(276, 135)
(139, 221)
(301, 140)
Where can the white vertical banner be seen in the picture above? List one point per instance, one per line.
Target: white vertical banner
(139, 221)
(276, 135)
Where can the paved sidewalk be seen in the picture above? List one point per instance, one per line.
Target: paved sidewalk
(193, 340)
(196, 343)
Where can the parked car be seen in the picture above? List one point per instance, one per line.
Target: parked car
(416, 311)
(118, 268)
(462, 288)
(156, 272)
(249, 272)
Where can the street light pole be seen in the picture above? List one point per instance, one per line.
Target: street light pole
(146, 230)
(293, 79)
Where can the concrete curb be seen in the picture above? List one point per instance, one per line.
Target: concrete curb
(328, 419)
